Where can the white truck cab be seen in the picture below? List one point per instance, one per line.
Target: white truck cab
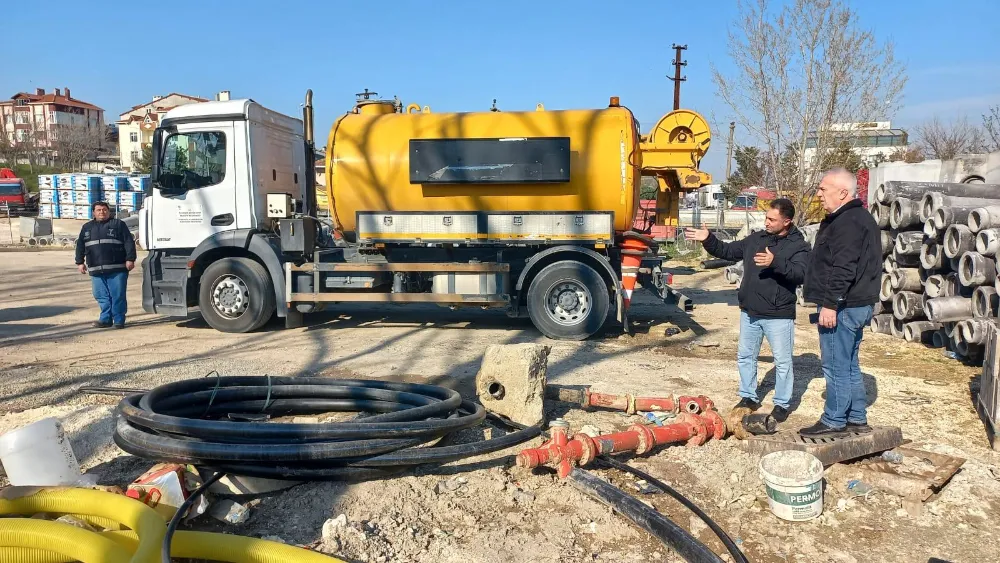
(217, 163)
(214, 165)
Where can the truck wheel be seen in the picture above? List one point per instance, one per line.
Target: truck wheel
(568, 300)
(236, 295)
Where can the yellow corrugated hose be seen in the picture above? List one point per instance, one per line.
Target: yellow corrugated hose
(41, 541)
(20, 538)
(130, 512)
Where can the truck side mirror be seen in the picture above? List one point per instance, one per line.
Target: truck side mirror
(154, 171)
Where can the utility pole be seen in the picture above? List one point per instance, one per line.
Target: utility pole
(720, 217)
(729, 158)
(676, 78)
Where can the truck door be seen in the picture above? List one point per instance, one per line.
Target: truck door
(195, 195)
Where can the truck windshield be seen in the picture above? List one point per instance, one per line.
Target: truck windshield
(194, 160)
(10, 189)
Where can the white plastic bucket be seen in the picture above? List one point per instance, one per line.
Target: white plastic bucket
(39, 455)
(794, 483)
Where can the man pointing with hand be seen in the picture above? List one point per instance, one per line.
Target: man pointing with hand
(774, 264)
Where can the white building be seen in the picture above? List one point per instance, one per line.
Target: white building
(866, 139)
(135, 126)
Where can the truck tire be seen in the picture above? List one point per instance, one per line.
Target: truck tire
(236, 295)
(568, 300)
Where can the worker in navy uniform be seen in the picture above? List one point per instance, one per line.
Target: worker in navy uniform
(109, 249)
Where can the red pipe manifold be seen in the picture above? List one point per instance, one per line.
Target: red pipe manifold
(563, 452)
(629, 403)
(632, 404)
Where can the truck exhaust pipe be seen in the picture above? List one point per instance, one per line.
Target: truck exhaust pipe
(309, 209)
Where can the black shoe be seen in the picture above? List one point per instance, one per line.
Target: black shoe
(120, 326)
(820, 429)
(779, 414)
(747, 404)
(859, 428)
(99, 324)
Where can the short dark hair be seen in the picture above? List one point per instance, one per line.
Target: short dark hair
(99, 203)
(784, 207)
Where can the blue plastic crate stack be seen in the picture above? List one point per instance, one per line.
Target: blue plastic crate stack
(71, 196)
(112, 185)
(138, 183)
(131, 200)
(64, 193)
(48, 199)
(87, 190)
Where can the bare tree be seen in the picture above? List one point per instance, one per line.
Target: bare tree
(909, 154)
(26, 145)
(991, 128)
(8, 150)
(946, 140)
(799, 70)
(76, 143)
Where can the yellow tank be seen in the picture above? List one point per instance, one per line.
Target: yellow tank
(368, 162)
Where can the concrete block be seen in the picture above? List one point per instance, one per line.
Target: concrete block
(35, 227)
(511, 381)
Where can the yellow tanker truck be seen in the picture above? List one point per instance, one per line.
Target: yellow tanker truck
(531, 212)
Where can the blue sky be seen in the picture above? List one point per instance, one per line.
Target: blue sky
(458, 56)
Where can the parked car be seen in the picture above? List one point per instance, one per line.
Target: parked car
(113, 169)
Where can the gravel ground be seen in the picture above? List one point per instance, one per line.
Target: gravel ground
(488, 510)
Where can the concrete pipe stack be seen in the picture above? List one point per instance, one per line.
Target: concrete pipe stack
(940, 244)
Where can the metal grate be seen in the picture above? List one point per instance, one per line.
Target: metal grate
(829, 450)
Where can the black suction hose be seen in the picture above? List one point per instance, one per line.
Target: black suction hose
(181, 511)
(201, 421)
(679, 539)
(731, 546)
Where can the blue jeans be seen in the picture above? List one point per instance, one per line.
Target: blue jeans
(109, 291)
(846, 400)
(780, 335)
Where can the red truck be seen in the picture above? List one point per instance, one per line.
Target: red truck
(15, 200)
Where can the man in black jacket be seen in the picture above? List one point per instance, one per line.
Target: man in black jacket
(845, 269)
(109, 249)
(774, 264)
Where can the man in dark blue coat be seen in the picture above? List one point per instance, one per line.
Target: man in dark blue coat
(109, 249)
(774, 264)
(843, 278)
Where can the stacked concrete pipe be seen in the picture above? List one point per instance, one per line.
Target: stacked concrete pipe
(940, 245)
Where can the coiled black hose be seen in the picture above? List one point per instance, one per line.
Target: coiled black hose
(204, 421)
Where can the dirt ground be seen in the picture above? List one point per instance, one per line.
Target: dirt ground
(487, 509)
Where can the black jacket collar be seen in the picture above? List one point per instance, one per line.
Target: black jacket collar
(849, 205)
